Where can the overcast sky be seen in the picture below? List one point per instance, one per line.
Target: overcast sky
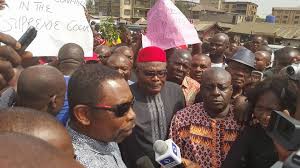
(265, 6)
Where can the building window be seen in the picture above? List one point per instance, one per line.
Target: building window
(296, 17)
(286, 12)
(296, 22)
(284, 22)
(298, 12)
(127, 2)
(126, 12)
(285, 17)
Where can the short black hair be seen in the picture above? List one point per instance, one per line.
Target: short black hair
(280, 86)
(85, 84)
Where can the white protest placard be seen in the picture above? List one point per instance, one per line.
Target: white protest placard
(168, 27)
(57, 21)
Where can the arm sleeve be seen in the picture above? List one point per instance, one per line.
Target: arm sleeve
(174, 132)
(239, 149)
(180, 100)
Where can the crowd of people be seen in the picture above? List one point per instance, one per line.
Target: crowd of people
(214, 100)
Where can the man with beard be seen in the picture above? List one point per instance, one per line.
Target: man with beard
(205, 131)
(179, 66)
(240, 66)
(218, 45)
(155, 103)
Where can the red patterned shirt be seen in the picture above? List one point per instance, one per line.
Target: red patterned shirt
(190, 89)
(202, 139)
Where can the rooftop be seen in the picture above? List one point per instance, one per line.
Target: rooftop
(205, 8)
(268, 29)
(204, 25)
(286, 8)
(241, 2)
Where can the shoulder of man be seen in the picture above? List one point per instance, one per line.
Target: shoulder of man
(172, 86)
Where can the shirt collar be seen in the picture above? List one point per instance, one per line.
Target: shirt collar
(185, 82)
(96, 146)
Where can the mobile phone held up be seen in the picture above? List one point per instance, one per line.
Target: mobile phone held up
(27, 38)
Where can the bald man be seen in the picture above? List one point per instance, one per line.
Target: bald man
(24, 151)
(103, 52)
(37, 124)
(205, 131)
(262, 60)
(70, 57)
(122, 64)
(178, 68)
(200, 63)
(128, 52)
(42, 88)
(218, 45)
(283, 57)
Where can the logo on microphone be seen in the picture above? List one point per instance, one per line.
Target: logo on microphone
(174, 148)
(167, 160)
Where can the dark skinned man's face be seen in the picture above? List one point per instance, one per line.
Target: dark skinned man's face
(179, 67)
(240, 74)
(257, 42)
(151, 77)
(199, 65)
(217, 92)
(217, 46)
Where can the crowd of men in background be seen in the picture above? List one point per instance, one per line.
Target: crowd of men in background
(214, 100)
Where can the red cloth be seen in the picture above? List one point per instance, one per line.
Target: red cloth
(152, 54)
(182, 47)
(93, 58)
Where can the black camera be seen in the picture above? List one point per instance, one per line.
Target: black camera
(293, 71)
(285, 130)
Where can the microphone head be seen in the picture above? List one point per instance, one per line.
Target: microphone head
(160, 147)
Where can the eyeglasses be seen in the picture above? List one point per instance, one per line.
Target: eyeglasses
(159, 74)
(119, 109)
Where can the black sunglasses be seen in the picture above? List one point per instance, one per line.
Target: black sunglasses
(120, 109)
(159, 74)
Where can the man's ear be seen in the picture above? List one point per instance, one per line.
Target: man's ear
(82, 114)
(53, 102)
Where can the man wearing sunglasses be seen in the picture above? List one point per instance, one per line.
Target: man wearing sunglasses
(156, 102)
(101, 115)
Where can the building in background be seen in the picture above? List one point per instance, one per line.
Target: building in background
(209, 13)
(125, 9)
(185, 5)
(213, 3)
(249, 9)
(140, 8)
(287, 15)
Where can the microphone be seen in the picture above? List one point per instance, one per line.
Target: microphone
(167, 153)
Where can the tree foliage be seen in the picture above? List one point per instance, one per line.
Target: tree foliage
(109, 31)
(90, 6)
